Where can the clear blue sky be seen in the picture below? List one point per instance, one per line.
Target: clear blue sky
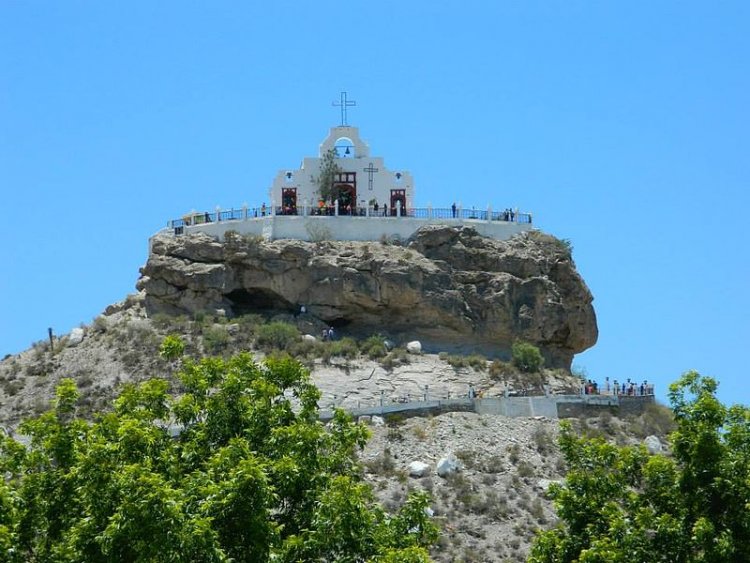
(623, 126)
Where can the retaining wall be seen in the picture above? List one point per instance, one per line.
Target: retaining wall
(552, 406)
(343, 228)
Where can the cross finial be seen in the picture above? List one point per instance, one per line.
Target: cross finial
(344, 103)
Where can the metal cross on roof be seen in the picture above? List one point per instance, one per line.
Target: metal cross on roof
(370, 171)
(344, 103)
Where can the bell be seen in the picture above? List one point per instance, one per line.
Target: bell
(347, 151)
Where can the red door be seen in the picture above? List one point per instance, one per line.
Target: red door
(289, 201)
(396, 196)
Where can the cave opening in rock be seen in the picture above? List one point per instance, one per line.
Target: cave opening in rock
(339, 322)
(247, 301)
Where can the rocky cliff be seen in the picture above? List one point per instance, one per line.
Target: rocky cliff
(448, 286)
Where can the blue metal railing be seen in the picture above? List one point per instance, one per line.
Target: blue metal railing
(469, 214)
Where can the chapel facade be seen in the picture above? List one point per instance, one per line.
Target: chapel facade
(364, 184)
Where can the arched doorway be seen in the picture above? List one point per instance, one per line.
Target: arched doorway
(345, 190)
(289, 201)
(347, 198)
(398, 196)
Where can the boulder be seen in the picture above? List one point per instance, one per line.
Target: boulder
(447, 466)
(448, 286)
(377, 421)
(414, 347)
(364, 419)
(76, 337)
(653, 444)
(309, 338)
(418, 469)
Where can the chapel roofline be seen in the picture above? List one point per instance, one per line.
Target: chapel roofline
(361, 148)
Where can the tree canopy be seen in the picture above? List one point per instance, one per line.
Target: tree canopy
(620, 504)
(235, 467)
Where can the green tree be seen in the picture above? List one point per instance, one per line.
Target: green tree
(329, 168)
(236, 468)
(526, 357)
(622, 504)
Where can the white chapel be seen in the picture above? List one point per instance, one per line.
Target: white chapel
(364, 184)
(367, 201)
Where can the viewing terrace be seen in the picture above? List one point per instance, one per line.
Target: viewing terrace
(359, 223)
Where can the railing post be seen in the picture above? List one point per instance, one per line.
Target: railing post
(244, 211)
(460, 210)
(218, 213)
(489, 213)
(398, 208)
(336, 208)
(429, 211)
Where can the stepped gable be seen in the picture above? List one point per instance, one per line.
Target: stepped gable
(448, 286)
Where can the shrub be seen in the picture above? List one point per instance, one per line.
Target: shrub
(525, 469)
(564, 246)
(456, 361)
(276, 335)
(477, 361)
(11, 388)
(526, 357)
(498, 369)
(249, 321)
(396, 357)
(172, 347)
(215, 339)
(100, 324)
(543, 440)
(373, 347)
(381, 465)
(658, 419)
(306, 352)
(345, 348)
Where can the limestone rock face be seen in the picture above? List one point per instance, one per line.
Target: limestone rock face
(448, 286)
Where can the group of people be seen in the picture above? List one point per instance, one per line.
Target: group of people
(327, 334)
(354, 211)
(629, 388)
(507, 214)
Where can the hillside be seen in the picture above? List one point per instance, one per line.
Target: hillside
(490, 509)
